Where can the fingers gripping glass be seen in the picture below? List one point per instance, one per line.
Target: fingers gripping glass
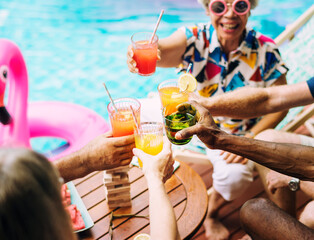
(220, 7)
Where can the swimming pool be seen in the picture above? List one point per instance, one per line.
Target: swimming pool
(72, 46)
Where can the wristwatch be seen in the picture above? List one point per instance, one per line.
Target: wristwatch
(294, 184)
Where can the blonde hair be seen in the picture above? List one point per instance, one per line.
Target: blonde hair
(30, 198)
(205, 3)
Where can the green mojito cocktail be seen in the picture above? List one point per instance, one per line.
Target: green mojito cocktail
(175, 120)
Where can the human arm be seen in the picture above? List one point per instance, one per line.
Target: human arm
(277, 180)
(268, 121)
(250, 102)
(170, 51)
(290, 159)
(157, 169)
(103, 152)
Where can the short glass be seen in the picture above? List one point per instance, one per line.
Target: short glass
(122, 122)
(169, 92)
(175, 121)
(145, 53)
(149, 138)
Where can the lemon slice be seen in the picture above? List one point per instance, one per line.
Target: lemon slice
(187, 82)
(142, 236)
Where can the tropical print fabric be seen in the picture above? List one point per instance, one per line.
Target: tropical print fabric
(255, 63)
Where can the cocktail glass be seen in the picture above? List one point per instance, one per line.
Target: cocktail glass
(175, 121)
(145, 52)
(149, 138)
(122, 122)
(169, 92)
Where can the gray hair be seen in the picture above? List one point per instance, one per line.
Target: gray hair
(206, 2)
(30, 198)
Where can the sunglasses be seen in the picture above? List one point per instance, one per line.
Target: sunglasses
(220, 7)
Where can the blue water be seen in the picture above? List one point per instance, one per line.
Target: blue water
(72, 46)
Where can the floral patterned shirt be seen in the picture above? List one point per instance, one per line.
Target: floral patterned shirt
(255, 63)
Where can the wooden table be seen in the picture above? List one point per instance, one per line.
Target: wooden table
(186, 191)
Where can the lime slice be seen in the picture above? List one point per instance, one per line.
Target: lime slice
(187, 82)
(142, 236)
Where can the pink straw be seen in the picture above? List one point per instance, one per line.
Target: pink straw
(157, 24)
(135, 120)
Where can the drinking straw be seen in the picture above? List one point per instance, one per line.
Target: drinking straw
(157, 24)
(135, 120)
(114, 106)
(189, 68)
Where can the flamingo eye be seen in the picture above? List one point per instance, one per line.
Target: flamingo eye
(3, 73)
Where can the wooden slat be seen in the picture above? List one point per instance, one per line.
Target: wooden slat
(134, 225)
(291, 29)
(300, 119)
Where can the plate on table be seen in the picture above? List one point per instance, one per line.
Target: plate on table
(77, 200)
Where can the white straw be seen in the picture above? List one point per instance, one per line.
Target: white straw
(189, 68)
(114, 106)
(157, 24)
(135, 120)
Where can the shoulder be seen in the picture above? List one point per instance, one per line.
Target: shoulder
(257, 40)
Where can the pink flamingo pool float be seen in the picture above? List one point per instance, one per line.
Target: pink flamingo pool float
(21, 121)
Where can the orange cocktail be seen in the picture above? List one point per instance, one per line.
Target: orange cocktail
(169, 92)
(122, 122)
(145, 52)
(149, 138)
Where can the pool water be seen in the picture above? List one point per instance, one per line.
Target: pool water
(71, 47)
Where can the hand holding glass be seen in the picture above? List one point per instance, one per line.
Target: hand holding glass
(175, 120)
(149, 138)
(145, 52)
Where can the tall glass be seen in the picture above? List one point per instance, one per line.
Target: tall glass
(122, 122)
(149, 138)
(169, 92)
(145, 52)
(175, 121)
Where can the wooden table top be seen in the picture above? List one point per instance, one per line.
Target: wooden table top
(186, 191)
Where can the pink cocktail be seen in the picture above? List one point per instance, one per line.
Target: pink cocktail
(145, 52)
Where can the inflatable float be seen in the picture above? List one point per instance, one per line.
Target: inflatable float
(22, 120)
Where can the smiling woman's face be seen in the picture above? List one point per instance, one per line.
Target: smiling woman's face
(229, 26)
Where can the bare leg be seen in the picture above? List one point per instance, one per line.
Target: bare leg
(283, 197)
(229, 182)
(262, 219)
(306, 216)
(214, 229)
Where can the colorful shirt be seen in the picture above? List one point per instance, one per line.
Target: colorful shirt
(255, 63)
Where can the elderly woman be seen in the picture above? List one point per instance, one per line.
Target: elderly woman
(226, 55)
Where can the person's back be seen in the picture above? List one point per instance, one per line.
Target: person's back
(30, 198)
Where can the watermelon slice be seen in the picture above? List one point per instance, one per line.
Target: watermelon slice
(78, 223)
